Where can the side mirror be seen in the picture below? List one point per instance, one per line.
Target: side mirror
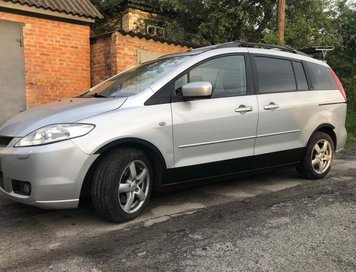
(197, 89)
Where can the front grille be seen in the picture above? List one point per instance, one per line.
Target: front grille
(5, 140)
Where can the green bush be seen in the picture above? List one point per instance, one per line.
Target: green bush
(350, 88)
(351, 120)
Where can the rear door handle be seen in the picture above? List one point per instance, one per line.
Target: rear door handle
(271, 106)
(243, 109)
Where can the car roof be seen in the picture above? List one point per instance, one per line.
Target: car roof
(254, 48)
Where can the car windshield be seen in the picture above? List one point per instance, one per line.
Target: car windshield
(135, 80)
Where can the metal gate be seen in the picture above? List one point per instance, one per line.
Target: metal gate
(12, 74)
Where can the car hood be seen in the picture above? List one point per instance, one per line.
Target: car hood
(62, 111)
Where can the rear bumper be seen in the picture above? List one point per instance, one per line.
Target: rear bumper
(55, 171)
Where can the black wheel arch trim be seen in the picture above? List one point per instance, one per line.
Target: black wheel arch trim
(132, 140)
(323, 125)
(159, 165)
(124, 142)
(329, 126)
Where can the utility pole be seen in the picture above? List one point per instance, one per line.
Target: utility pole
(281, 20)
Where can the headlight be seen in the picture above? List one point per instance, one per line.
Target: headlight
(54, 133)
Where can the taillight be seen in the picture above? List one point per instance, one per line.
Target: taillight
(339, 85)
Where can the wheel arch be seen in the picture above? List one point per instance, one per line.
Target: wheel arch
(328, 129)
(152, 152)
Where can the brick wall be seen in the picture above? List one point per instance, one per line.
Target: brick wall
(101, 60)
(57, 58)
(117, 52)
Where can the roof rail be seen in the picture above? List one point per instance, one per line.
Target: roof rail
(239, 43)
(317, 49)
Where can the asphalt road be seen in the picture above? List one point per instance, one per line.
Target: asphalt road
(270, 222)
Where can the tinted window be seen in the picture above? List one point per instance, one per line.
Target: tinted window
(300, 76)
(320, 77)
(226, 74)
(275, 75)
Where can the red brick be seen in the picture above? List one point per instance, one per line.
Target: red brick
(113, 54)
(57, 58)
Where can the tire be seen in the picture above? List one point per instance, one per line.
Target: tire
(317, 160)
(122, 185)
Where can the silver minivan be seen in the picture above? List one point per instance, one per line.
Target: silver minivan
(207, 113)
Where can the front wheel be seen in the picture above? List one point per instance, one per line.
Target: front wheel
(316, 162)
(122, 185)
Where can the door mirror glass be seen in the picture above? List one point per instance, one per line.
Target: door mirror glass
(197, 89)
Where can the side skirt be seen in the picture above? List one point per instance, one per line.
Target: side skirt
(222, 169)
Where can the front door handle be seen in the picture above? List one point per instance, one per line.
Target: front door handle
(243, 109)
(271, 106)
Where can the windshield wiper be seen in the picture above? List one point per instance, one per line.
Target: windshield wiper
(98, 95)
(81, 95)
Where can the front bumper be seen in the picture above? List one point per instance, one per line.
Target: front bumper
(56, 173)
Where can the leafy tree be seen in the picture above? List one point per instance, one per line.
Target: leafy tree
(308, 23)
(223, 20)
(344, 55)
(215, 21)
(112, 11)
(343, 58)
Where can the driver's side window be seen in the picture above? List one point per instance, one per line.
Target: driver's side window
(226, 74)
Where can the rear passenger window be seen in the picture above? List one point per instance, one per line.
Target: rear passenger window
(320, 77)
(300, 76)
(275, 75)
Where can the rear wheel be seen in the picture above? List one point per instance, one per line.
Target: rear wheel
(122, 185)
(316, 162)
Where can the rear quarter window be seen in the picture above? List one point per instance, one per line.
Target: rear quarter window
(320, 77)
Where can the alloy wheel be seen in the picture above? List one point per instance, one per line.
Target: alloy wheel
(134, 186)
(322, 156)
